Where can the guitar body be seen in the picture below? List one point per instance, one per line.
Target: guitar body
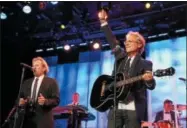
(104, 102)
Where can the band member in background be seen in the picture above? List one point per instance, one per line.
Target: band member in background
(43, 93)
(75, 99)
(166, 114)
(74, 121)
(132, 109)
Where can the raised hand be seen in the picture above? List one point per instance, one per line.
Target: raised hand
(102, 16)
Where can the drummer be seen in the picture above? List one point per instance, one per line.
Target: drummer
(166, 114)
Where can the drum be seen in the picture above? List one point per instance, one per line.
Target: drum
(164, 124)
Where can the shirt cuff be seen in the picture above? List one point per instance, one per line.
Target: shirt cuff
(104, 24)
(148, 83)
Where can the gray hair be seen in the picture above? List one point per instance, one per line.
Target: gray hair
(140, 39)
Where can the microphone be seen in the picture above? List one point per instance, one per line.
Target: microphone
(116, 49)
(26, 66)
(183, 79)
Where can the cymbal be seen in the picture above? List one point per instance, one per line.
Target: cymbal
(180, 107)
(183, 118)
(182, 79)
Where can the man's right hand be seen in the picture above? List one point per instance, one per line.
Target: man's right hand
(22, 102)
(102, 16)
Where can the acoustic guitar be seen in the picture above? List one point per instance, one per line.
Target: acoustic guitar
(102, 92)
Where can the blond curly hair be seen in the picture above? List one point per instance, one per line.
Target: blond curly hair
(44, 63)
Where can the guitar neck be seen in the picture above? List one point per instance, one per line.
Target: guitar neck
(129, 81)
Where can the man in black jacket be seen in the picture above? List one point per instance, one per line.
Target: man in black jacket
(40, 95)
(167, 114)
(132, 109)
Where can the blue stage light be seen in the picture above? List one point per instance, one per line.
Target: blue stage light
(3, 16)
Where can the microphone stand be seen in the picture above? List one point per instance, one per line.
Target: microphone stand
(9, 116)
(16, 122)
(115, 81)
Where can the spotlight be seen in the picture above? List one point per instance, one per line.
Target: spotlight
(62, 26)
(96, 45)
(54, 2)
(27, 9)
(67, 47)
(3, 16)
(147, 5)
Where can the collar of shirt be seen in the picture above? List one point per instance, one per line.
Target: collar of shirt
(39, 78)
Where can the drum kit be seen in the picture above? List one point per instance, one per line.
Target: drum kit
(178, 110)
(168, 124)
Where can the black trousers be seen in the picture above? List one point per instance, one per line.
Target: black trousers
(124, 119)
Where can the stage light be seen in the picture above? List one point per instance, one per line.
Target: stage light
(59, 47)
(151, 37)
(105, 45)
(180, 30)
(147, 5)
(96, 45)
(162, 34)
(67, 47)
(82, 44)
(54, 2)
(62, 26)
(49, 49)
(39, 50)
(3, 16)
(27, 9)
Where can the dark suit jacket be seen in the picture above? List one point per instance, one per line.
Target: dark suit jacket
(138, 66)
(43, 117)
(160, 116)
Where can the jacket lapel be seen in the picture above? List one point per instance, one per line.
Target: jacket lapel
(29, 87)
(162, 115)
(172, 115)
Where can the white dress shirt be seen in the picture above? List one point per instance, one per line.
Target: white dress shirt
(167, 116)
(38, 85)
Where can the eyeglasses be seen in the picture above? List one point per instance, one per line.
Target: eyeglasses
(130, 41)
